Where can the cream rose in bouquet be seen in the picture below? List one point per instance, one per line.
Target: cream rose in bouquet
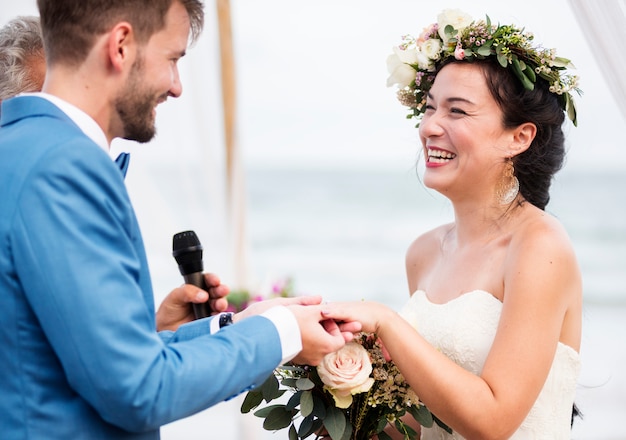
(352, 395)
(346, 372)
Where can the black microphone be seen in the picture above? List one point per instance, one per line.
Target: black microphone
(187, 251)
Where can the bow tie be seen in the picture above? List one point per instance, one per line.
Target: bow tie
(123, 160)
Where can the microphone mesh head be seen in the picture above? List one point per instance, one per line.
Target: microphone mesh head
(187, 251)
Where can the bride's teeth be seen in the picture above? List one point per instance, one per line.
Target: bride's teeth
(440, 156)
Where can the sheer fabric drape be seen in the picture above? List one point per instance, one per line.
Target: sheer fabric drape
(603, 22)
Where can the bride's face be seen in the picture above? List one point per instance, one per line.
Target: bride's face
(464, 141)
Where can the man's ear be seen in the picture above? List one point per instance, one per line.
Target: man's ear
(122, 46)
(523, 136)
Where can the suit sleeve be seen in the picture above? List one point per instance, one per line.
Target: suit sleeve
(80, 259)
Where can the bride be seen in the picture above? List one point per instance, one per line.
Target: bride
(489, 339)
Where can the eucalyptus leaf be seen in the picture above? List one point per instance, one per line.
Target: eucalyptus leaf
(312, 425)
(294, 400)
(570, 107)
(405, 430)
(422, 415)
(251, 401)
(484, 50)
(293, 434)
(319, 407)
(278, 418)
(516, 65)
(270, 388)
(304, 383)
(335, 423)
(264, 412)
(449, 31)
(383, 436)
(305, 427)
(442, 425)
(562, 63)
(306, 403)
(530, 73)
(289, 382)
(517, 69)
(502, 59)
(382, 423)
(347, 434)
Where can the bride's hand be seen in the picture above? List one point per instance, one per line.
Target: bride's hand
(262, 306)
(370, 314)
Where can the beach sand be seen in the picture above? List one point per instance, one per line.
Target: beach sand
(601, 394)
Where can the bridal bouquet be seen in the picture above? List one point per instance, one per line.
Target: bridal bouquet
(352, 395)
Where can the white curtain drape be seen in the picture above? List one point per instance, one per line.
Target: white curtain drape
(603, 22)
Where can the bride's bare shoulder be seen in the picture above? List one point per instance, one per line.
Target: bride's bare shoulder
(427, 242)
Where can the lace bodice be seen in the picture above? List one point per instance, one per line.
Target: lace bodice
(464, 329)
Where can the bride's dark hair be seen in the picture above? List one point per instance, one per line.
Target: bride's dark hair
(536, 166)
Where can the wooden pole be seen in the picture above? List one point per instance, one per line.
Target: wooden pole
(235, 188)
(228, 86)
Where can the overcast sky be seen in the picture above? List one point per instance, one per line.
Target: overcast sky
(311, 78)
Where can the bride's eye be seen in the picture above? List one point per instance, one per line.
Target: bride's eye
(458, 111)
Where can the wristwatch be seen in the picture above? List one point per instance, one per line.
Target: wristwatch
(226, 319)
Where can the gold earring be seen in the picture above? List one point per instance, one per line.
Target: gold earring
(509, 186)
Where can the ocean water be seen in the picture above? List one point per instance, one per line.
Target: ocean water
(343, 233)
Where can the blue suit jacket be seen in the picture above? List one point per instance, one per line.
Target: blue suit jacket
(79, 353)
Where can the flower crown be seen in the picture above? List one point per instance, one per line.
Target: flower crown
(413, 64)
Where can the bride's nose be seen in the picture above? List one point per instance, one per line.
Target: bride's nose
(430, 125)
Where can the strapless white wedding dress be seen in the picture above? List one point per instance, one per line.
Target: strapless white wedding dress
(464, 329)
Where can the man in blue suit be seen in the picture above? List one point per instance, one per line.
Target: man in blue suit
(79, 352)
(22, 69)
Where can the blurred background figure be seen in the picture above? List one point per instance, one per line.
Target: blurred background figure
(22, 60)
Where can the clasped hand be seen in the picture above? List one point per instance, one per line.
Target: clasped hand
(320, 334)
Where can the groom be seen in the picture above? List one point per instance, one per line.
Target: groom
(80, 354)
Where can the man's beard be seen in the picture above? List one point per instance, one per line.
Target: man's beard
(134, 107)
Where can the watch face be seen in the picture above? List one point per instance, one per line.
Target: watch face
(226, 319)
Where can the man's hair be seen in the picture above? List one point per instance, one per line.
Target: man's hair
(70, 27)
(20, 42)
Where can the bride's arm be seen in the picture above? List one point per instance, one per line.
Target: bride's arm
(541, 284)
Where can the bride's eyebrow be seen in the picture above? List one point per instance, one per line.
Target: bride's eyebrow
(452, 99)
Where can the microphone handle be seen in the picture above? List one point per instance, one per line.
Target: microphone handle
(197, 279)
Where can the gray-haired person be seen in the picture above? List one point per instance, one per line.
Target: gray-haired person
(22, 59)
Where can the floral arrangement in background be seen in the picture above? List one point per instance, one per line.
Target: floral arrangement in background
(352, 395)
(456, 35)
(241, 298)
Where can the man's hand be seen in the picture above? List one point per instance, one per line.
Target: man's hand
(320, 335)
(177, 309)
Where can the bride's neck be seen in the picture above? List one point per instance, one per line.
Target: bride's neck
(474, 224)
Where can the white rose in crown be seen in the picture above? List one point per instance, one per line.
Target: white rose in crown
(456, 18)
(431, 48)
(346, 372)
(399, 71)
